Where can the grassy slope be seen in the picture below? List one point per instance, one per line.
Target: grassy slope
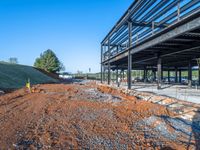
(15, 76)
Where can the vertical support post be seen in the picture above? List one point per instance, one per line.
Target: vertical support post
(153, 27)
(154, 75)
(129, 55)
(123, 74)
(117, 76)
(145, 74)
(109, 73)
(176, 75)
(199, 75)
(103, 73)
(162, 77)
(109, 62)
(178, 11)
(159, 68)
(129, 70)
(190, 74)
(101, 63)
(168, 75)
(120, 74)
(180, 77)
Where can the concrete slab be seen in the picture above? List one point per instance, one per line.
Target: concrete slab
(182, 92)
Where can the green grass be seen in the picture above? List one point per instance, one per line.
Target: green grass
(14, 76)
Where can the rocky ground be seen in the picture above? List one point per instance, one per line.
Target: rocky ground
(89, 116)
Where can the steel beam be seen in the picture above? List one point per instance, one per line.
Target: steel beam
(194, 24)
(169, 33)
(121, 21)
(184, 29)
(165, 10)
(158, 14)
(149, 24)
(170, 54)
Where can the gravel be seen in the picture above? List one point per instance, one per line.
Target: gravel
(167, 127)
(95, 95)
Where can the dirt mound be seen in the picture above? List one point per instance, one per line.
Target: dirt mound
(83, 116)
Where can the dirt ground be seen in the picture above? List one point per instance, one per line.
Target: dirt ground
(88, 116)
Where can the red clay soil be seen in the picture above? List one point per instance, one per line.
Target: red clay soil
(59, 116)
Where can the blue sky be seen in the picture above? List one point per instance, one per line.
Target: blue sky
(72, 28)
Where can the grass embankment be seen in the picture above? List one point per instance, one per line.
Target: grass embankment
(14, 76)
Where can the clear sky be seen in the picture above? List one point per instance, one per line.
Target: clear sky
(73, 29)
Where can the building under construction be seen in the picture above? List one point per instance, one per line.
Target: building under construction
(156, 35)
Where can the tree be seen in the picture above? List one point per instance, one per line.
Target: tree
(13, 60)
(49, 62)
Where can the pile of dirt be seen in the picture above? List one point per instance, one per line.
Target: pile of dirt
(86, 116)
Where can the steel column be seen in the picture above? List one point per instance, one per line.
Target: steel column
(104, 73)
(145, 74)
(159, 69)
(180, 77)
(101, 64)
(168, 76)
(109, 73)
(199, 75)
(129, 56)
(120, 74)
(109, 62)
(117, 76)
(178, 11)
(129, 70)
(176, 75)
(154, 75)
(190, 74)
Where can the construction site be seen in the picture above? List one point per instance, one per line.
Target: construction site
(147, 96)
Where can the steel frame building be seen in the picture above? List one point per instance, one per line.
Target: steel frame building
(160, 35)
